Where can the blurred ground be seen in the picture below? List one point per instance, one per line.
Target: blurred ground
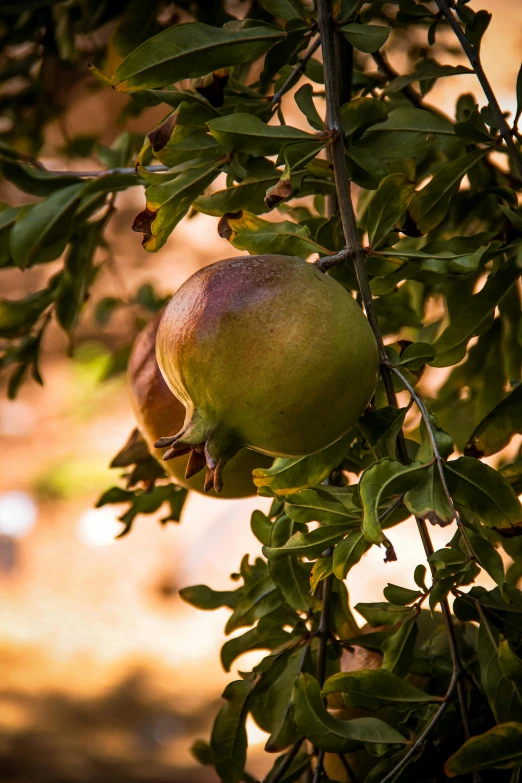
(105, 675)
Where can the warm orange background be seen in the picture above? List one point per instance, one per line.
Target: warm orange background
(105, 675)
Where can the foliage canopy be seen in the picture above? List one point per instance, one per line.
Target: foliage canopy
(439, 278)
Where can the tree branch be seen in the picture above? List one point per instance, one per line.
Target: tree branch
(324, 625)
(473, 56)
(296, 73)
(353, 244)
(319, 768)
(348, 769)
(421, 739)
(439, 460)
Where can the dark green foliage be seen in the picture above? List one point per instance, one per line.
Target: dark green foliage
(444, 235)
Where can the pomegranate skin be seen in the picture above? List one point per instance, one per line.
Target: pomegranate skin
(265, 352)
(158, 412)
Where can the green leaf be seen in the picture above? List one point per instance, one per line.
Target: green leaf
(348, 552)
(382, 613)
(248, 232)
(501, 746)
(328, 733)
(473, 316)
(267, 635)
(484, 492)
(185, 51)
(285, 9)
(145, 502)
(261, 599)
(201, 751)
(304, 99)
(74, 282)
(248, 195)
(476, 28)
(261, 527)
(416, 356)
(519, 94)
(18, 316)
(504, 696)
(43, 224)
(388, 208)
(429, 206)
(169, 202)
(289, 475)
(229, 738)
(284, 54)
(203, 597)
(405, 133)
(399, 648)
(383, 479)
(473, 128)
(426, 71)
(309, 544)
(321, 570)
(311, 505)
(278, 698)
(496, 430)
(369, 689)
(33, 179)
(359, 113)
(488, 557)
(400, 595)
(510, 664)
(381, 428)
(293, 580)
(428, 500)
(419, 577)
(442, 439)
(366, 37)
(248, 133)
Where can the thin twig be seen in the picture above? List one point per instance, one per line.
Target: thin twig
(473, 56)
(327, 262)
(439, 460)
(416, 99)
(421, 739)
(347, 768)
(319, 769)
(290, 756)
(384, 66)
(353, 243)
(104, 172)
(296, 73)
(324, 625)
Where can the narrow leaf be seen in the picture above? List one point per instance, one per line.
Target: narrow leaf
(501, 746)
(185, 51)
(429, 206)
(369, 689)
(329, 733)
(473, 315)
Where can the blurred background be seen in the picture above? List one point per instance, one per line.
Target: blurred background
(105, 674)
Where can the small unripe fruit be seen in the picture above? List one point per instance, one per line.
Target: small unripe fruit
(265, 352)
(157, 412)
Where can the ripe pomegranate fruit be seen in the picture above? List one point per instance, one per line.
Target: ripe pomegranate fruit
(157, 411)
(265, 352)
